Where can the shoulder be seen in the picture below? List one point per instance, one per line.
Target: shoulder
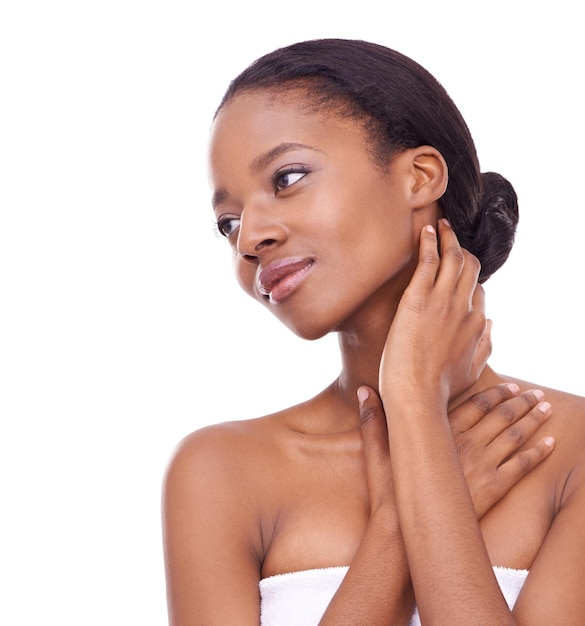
(567, 420)
(567, 425)
(219, 453)
(212, 522)
(212, 497)
(553, 591)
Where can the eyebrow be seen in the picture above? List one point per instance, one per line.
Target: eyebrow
(265, 158)
(260, 162)
(221, 195)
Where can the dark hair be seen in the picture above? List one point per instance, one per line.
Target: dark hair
(403, 106)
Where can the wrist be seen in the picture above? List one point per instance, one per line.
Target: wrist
(384, 519)
(413, 400)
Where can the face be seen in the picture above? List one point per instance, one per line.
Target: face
(318, 231)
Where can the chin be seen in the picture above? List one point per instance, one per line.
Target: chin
(307, 330)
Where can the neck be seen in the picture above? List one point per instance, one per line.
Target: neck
(361, 353)
(361, 345)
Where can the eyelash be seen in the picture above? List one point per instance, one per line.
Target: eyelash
(293, 169)
(222, 223)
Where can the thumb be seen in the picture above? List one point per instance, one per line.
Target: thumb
(484, 350)
(376, 450)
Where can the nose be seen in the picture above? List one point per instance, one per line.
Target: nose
(258, 232)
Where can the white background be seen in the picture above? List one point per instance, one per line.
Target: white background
(122, 328)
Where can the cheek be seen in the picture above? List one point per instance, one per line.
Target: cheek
(378, 248)
(245, 275)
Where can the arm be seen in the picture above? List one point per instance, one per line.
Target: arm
(213, 554)
(453, 581)
(433, 347)
(207, 553)
(210, 547)
(376, 589)
(478, 447)
(553, 592)
(487, 429)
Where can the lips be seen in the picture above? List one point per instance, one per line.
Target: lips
(280, 278)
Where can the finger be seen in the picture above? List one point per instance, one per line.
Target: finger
(477, 299)
(428, 262)
(470, 274)
(519, 429)
(483, 352)
(478, 322)
(466, 415)
(374, 433)
(452, 256)
(520, 464)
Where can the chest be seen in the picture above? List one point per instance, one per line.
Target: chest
(321, 514)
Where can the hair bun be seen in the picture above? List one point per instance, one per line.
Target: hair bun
(496, 222)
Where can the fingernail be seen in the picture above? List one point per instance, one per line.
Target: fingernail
(544, 407)
(513, 387)
(538, 394)
(445, 221)
(549, 441)
(430, 229)
(362, 394)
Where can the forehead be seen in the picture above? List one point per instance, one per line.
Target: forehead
(253, 122)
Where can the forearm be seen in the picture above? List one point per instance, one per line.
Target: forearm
(376, 590)
(449, 565)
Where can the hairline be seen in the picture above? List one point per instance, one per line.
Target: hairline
(381, 148)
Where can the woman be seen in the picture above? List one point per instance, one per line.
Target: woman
(348, 187)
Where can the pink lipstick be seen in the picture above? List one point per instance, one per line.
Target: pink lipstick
(280, 278)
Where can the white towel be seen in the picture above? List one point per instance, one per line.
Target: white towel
(301, 598)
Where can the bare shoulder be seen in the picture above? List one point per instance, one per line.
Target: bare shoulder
(212, 522)
(553, 591)
(214, 441)
(220, 454)
(567, 425)
(567, 421)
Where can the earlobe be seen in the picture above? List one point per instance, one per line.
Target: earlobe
(430, 175)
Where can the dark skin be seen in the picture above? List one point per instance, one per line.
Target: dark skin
(320, 484)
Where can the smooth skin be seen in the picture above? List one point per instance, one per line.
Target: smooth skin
(490, 467)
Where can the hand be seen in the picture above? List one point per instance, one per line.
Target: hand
(489, 430)
(374, 431)
(439, 341)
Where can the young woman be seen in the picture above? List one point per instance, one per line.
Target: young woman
(348, 187)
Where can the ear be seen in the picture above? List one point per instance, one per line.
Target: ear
(429, 175)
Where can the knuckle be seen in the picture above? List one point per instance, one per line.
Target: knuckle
(529, 398)
(429, 259)
(455, 255)
(368, 414)
(463, 445)
(482, 402)
(472, 260)
(523, 461)
(515, 434)
(506, 412)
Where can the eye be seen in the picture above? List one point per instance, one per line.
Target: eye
(228, 225)
(288, 177)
